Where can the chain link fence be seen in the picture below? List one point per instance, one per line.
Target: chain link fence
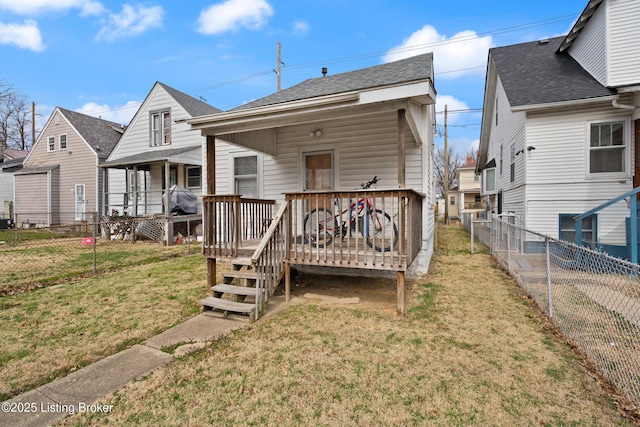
(593, 298)
(35, 255)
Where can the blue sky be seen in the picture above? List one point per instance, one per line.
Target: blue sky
(103, 57)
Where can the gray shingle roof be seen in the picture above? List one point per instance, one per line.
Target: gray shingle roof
(194, 107)
(151, 156)
(410, 69)
(100, 134)
(533, 73)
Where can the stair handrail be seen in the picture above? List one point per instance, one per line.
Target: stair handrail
(269, 274)
(633, 226)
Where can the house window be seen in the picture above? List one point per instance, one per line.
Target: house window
(245, 176)
(477, 199)
(63, 142)
(489, 181)
(497, 114)
(476, 177)
(160, 128)
(52, 143)
(500, 159)
(567, 230)
(194, 176)
(513, 163)
(607, 148)
(452, 200)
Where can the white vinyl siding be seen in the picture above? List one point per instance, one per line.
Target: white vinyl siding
(623, 42)
(590, 48)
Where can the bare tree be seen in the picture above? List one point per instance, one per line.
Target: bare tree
(15, 118)
(455, 162)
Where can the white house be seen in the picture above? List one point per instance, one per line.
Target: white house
(560, 127)
(317, 142)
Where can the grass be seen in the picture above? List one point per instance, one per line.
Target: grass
(44, 261)
(472, 351)
(49, 332)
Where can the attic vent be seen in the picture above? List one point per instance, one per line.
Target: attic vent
(543, 42)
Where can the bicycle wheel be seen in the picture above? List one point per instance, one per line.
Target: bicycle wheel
(379, 231)
(319, 227)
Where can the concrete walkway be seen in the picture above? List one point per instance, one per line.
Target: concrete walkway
(81, 390)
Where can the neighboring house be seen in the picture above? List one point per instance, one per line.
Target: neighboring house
(453, 210)
(10, 162)
(59, 182)
(561, 124)
(157, 151)
(317, 142)
(469, 199)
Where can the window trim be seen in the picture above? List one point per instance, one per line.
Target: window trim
(66, 142)
(484, 181)
(51, 144)
(187, 168)
(232, 171)
(162, 131)
(626, 138)
(593, 230)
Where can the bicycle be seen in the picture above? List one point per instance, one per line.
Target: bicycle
(379, 231)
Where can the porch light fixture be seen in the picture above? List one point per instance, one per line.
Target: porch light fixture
(315, 133)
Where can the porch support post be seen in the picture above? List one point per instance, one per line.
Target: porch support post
(134, 194)
(401, 148)
(287, 282)
(211, 164)
(401, 292)
(210, 156)
(168, 230)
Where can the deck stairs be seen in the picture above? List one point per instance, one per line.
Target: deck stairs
(236, 295)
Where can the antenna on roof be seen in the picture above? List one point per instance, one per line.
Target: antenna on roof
(202, 98)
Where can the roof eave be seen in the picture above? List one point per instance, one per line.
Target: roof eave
(563, 104)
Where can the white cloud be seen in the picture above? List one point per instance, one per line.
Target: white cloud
(122, 114)
(233, 14)
(453, 105)
(132, 21)
(301, 28)
(32, 7)
(453, 57)
(25, 36)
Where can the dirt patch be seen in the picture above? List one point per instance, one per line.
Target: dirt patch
(377, 293)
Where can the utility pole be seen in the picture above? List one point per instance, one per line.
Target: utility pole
(446, 170)
(33, 124)
(278, 67)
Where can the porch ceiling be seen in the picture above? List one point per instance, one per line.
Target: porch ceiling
(185, 155)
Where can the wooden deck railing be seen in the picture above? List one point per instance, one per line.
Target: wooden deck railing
(372, 229)
(230, 219)
(269, 259)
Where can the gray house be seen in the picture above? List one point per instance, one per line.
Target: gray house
(60, 181)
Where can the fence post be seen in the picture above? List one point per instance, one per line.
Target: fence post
(509, 247)
(472, 237)
(94, 235)
(189, 237)
(546, 244)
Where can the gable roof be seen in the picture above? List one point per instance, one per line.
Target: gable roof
(14, 154)
(533, 73)
(101, 135)
(193, 106)
(419, 67)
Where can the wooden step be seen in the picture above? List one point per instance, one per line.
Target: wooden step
(225, 305)
(242, 261)
(235, 290)
(239, 274)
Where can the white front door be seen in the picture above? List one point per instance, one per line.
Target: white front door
(80, 202)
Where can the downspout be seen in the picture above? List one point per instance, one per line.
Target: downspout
(622, 106)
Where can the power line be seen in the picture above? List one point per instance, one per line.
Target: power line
(460, 39)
